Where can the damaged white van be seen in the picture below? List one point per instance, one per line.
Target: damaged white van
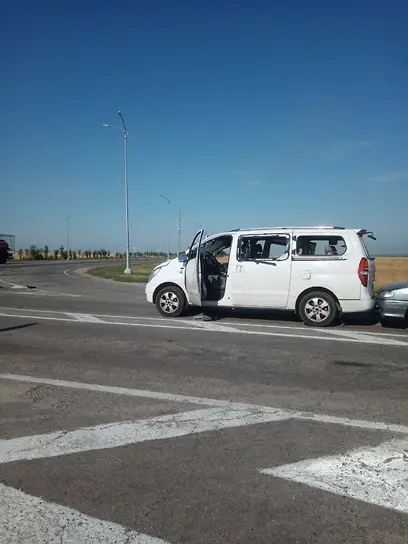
(318, 272)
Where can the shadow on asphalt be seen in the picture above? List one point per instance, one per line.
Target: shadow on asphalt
(353, 364)
(399, 324)
(361, 320)
(384, 367)
(16, 327)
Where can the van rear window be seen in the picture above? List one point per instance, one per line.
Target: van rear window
(365, 247)
(320, 246)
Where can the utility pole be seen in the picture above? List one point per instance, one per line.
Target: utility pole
(68, 237)
(179, 231)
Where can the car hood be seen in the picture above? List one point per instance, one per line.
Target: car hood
(395, 286)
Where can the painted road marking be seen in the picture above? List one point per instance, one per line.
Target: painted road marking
(114, 435)
(377, 475)
(353, 336)
(13, 285)
(238, 323)
(28, 519)
(40, 293)
(66, 273)
(158, 395)
(85, 318)
(24, 290)
(357, 335)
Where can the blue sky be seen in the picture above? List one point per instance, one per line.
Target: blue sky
(243, 113)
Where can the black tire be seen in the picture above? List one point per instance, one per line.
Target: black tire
(3, 258)
(171, 301)
(318, 309)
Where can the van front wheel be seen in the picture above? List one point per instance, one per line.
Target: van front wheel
(318, 309)
(171, 301)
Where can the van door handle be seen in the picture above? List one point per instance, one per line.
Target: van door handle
(268, 263)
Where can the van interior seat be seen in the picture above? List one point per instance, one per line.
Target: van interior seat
(330, 250)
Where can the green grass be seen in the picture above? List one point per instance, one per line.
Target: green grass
(141, 272)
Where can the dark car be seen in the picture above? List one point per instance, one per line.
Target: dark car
(392, 303)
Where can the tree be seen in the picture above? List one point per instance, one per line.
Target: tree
(63, 253)
(46, 252)
(32, 252)
(56, 254)
(20, 253)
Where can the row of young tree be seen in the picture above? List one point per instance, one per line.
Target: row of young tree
(34, 253)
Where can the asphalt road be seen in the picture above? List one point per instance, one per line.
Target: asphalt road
(119, 426)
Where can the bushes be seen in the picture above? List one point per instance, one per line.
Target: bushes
(38, 254)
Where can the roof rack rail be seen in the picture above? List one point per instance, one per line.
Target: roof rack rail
(292, 228)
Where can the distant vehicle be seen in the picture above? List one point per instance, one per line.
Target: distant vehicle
(392, 303)
(318, 272)
(7, 247)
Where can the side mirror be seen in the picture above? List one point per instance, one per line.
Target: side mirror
(182, 257)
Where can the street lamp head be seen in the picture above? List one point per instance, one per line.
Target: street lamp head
(123, 122)
(105, 125)
(165, 198)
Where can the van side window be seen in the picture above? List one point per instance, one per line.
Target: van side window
(262, 248)
(320, 246)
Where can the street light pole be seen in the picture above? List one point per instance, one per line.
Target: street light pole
(179, 231)
(168, 226)
(128, 269)
(68, 240)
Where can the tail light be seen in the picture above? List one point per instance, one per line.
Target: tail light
(363, 269)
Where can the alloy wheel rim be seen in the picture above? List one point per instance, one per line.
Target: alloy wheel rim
(317, 309)
(169, 302)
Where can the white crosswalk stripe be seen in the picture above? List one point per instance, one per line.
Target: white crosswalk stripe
(377, 475)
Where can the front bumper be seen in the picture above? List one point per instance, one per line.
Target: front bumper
(149, 293)
(394, 309)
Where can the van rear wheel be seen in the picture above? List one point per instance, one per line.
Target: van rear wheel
(171, 301)
(318, 309)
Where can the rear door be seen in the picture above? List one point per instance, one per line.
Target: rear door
(193, 273)
(371, 260)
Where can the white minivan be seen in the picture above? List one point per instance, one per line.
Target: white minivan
(318, 272)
